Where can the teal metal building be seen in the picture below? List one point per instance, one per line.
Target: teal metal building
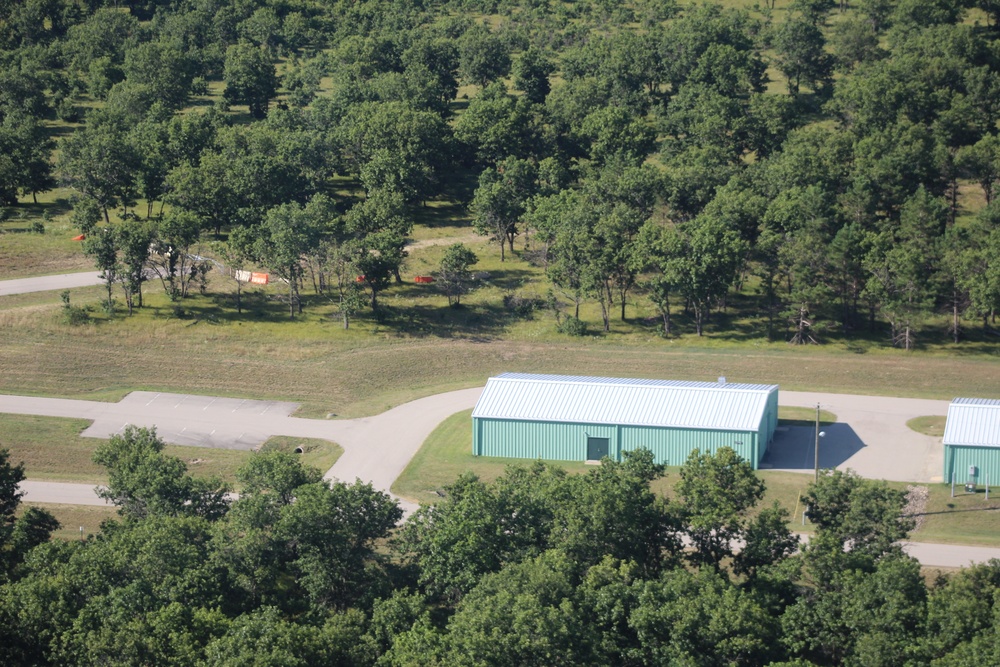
(972, 441)
(571, 418)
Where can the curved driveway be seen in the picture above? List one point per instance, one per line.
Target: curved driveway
(870, 436)
(376, 449)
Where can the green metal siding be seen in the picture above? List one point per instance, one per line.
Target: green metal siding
(568, 442)
(554, 441)
(765, 434)
(958, 458)
(672, 445)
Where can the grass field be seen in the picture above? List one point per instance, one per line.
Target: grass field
(52, 450)
(932, 425)
(966, 519)
(422, 347)
(73, 517)
(25, 253)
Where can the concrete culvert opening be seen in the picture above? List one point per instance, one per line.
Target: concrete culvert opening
(298, 450)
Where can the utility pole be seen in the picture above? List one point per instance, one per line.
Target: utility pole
(816, 457)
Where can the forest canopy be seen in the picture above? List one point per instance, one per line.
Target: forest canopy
(536, 567)
(832, 163)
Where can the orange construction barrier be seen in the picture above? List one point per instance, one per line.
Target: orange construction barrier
(80, 237)
(423, 279)
(258, 278)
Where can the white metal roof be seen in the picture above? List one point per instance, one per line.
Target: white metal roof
(597, 400)
(974, 422)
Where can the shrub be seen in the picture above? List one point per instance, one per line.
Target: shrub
(572, 326)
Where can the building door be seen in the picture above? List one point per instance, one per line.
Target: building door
(597, 448)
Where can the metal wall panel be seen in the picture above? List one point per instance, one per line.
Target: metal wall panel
(958, 458)
(556, 441)
(559, 441)
(672, 446)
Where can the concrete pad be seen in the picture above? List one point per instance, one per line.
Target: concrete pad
(198, 421)
(870, 437)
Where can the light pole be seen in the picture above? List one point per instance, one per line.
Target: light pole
(819, 434)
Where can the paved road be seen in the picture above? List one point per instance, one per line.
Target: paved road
(949, 555)
(872, 438)
(61, 493)
(45, 283)
(376, 449)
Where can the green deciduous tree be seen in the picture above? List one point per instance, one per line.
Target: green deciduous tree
(700, 618)
(333, 532)
(100, 162)
(531, 74)
(18, 535)
(170, 251)
(904, 264)
(163, 68)
(802, 57)
(143, 481)
(497, 125)
(713, 252)
(250, 77)
(501, 199)
(288, 234)
(277, 473)
(718, 491)
(860, 516)
(860, 616)
(521, 615)
(133, 239)
(617, 137)
(24, 157)
(378, 227)
(454, 275)
(981, 163)
(102, 245)
(483, 56)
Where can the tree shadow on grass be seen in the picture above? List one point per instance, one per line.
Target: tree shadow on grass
(437, 213)
(220, 308)
(477, 322)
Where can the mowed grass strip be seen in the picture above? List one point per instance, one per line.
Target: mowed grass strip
(321, 454)
(932, 425)
(789, 415)
(372, 367)
(968, 518)
(73, 517)
(52, 449)
(447, 453)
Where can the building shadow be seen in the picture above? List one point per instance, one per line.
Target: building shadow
(793, 447)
